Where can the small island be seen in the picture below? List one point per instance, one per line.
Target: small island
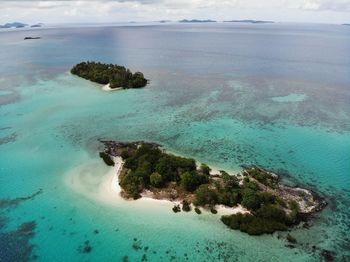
(32, 37)
(114, 76)
(197, 21)
(37, 25)
(20, 25)
(259, 202)
(250, 21)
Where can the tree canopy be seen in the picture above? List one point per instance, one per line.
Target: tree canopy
(150, 167)
(115, 75)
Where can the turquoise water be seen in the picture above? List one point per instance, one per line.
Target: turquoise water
(210, 97)
(289, 98)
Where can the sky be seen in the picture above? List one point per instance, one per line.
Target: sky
(110, 11)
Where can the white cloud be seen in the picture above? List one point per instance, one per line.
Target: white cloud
(333, 11)
(320, 5)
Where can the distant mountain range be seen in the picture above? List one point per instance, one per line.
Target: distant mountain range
(197, 21)
(250, 21)
(345, 24)
(19, 25)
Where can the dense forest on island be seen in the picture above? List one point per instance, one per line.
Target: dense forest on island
(269, 205)
(115, 75)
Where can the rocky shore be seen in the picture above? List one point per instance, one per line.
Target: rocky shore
(308, 201)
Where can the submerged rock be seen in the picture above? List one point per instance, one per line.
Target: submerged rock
(327, 255)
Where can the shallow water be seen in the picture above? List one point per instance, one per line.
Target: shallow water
(289, 98)
(211, 97)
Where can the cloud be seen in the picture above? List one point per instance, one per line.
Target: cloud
(320, 5)
(150, 10)
(316, 5)
(334, 5)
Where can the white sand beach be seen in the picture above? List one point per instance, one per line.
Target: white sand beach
(108, 88)
(102, 187)
(89, 181)
(225, 210)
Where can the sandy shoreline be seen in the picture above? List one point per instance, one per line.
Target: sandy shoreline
(87, 180)
(214, 169)
(109, 89)
(220, 208)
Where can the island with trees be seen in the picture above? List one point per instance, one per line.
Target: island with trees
(250, 21)
(13, 25)
(197, 21)
(32, 37)
(115, 76)
(267, 205)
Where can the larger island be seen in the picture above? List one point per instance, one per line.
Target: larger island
(265, 204)
(115, 76)
(19, 25)
(197, 21)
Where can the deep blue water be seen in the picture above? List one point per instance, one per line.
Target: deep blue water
(275, 95)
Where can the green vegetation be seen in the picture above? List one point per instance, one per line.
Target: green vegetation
(205, 196)
(253, 200)
(107, 159)
(263, 177)
(197, 210)
(205, 169)
(132, 185)
(114, 75)
(266, 219)
(191, 180)
(176, 209)
(294, 207)
(186, 206)
(156, 179)
(147, 167)
(250, 199)
(251, 224)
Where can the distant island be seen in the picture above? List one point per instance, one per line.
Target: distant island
(37, 25)
(197, 21)
(250, 21)
(345, 24)
(31, 38)
(14, 24)
(19, 25)
(114, 76)
(258, 202)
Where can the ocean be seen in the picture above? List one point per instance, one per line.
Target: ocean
(230, 95)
